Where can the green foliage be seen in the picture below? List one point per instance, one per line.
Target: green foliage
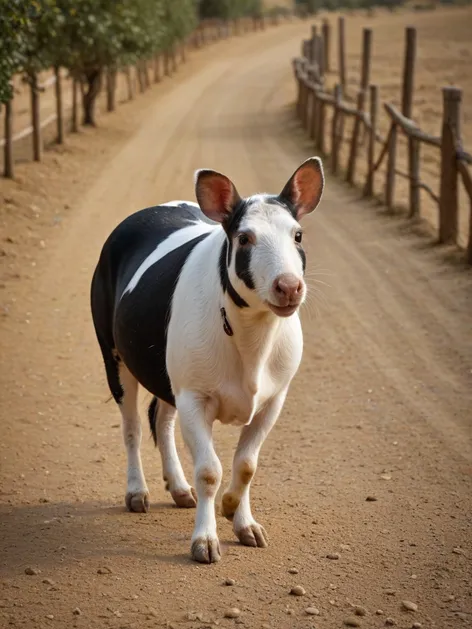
(86, 35)
(229, 9)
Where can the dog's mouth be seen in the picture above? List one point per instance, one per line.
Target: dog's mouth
(283, 311)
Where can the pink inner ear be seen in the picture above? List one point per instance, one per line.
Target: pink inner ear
(224, 193)
(304, 189)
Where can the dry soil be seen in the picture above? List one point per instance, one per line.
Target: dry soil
(371, 461)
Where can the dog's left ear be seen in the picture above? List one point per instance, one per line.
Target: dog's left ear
(303, 190)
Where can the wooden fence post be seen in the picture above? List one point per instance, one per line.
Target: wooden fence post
(75, 106)
(59, 116)
(365, 74)
(366, 55)
(374, 107)
(315, 107)
(342, 52)
(407, 109)
(408, 71)
(35, 117)
(8, 168)
(320, 132)
(326, 33)
(351, 164)
(391, 165)
(313, 44)
(448, 197)
(321, 57)
(335, 141)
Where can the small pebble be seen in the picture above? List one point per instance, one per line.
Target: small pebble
(234, 612)
(416, 625)
(293, 570)
(386, 477)
(379, 612)
(359, 610)
(390, 592)
(371, 499)
(332, 556)
(230, 582)
(48, 582)
(458, 551)
(352, 622)
(104, 570)
(50, 616)
(409, 606)
(312, 611)
(77, 611)
(390, 622)
(297, 590)
(32, 571)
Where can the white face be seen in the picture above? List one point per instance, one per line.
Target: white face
(267, 259)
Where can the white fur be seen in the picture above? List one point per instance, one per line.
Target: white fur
(242, 379)
(174, 241)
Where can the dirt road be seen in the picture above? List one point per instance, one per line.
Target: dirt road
(380, 409)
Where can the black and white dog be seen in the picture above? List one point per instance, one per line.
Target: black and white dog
(198, 304)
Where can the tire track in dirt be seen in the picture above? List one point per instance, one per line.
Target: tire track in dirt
(353, 413)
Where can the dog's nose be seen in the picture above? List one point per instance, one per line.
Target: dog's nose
(288, 287)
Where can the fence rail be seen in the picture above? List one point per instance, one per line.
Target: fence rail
(314, 98)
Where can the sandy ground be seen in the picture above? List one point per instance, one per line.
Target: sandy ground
(381, 407)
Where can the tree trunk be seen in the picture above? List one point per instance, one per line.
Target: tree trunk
(139, 74)
(174, 58)
(8, 148)
(147, 81)
(59, 117)
(35, 117)
(129, 82)
(75, 108)
(166, 62)
(157, 68)
(89, 96)
(111, 88)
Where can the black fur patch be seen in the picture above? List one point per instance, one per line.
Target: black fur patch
(233, 220)
(301, 253)
(224, 279)
(243, 266)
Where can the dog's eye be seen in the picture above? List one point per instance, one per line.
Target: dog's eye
(298, 237)
(243, 240)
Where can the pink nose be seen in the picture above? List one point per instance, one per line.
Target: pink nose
(288, 289)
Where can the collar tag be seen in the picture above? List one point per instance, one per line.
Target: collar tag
(226, 325)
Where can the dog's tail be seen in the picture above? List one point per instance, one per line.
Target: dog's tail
(152, 415)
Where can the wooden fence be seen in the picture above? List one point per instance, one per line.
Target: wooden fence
(140, 77)
(314, 99)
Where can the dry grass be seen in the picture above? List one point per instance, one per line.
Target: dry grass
(444, 57)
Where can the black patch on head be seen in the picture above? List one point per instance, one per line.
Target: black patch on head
(243, 266)
(283, 203)
(233, 220)
(224, 278)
